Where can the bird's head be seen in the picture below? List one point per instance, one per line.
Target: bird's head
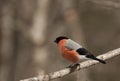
(58, 39)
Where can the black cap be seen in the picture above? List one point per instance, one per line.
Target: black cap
(58, 39)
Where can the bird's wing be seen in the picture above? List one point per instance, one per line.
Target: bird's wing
(72, 45)
(83, 51)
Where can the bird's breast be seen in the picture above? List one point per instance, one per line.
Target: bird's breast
(70, 55)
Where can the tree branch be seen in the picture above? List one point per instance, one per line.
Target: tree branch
(104, 3)
(66, 71)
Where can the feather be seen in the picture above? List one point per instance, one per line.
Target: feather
(70, 44)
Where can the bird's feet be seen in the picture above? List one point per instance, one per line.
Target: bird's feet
(73, 67)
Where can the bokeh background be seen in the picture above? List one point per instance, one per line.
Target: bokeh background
(29, 27)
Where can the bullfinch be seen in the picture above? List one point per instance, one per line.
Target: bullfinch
(73, 51)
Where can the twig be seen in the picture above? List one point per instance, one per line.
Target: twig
(66, 71)
(104, 3)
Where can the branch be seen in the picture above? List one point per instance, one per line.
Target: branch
(104, 3)
(66, 71)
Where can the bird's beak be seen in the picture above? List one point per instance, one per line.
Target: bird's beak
(55, 41)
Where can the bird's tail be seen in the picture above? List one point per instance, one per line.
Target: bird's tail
(100, 60)
(94, 58)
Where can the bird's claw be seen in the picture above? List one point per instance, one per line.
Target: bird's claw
(73, 67)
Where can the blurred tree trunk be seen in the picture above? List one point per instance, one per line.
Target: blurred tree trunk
(38, 35)
(7, 41)
(22, 43)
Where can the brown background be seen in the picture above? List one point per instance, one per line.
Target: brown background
(29, 27)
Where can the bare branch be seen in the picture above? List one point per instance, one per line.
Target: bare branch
(104, 3)
(66, 71)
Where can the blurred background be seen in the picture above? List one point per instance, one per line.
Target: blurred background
(29, 27)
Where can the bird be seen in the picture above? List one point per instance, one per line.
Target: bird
(74, 52)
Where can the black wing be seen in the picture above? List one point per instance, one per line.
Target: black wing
(83, 51)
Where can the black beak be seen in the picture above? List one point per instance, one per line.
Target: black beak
(55, 41)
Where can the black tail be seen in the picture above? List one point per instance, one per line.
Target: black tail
(100, 60)
(94, 58)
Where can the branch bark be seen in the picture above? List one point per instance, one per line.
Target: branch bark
(66, 71)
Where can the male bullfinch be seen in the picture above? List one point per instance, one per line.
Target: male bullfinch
(74, 52)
